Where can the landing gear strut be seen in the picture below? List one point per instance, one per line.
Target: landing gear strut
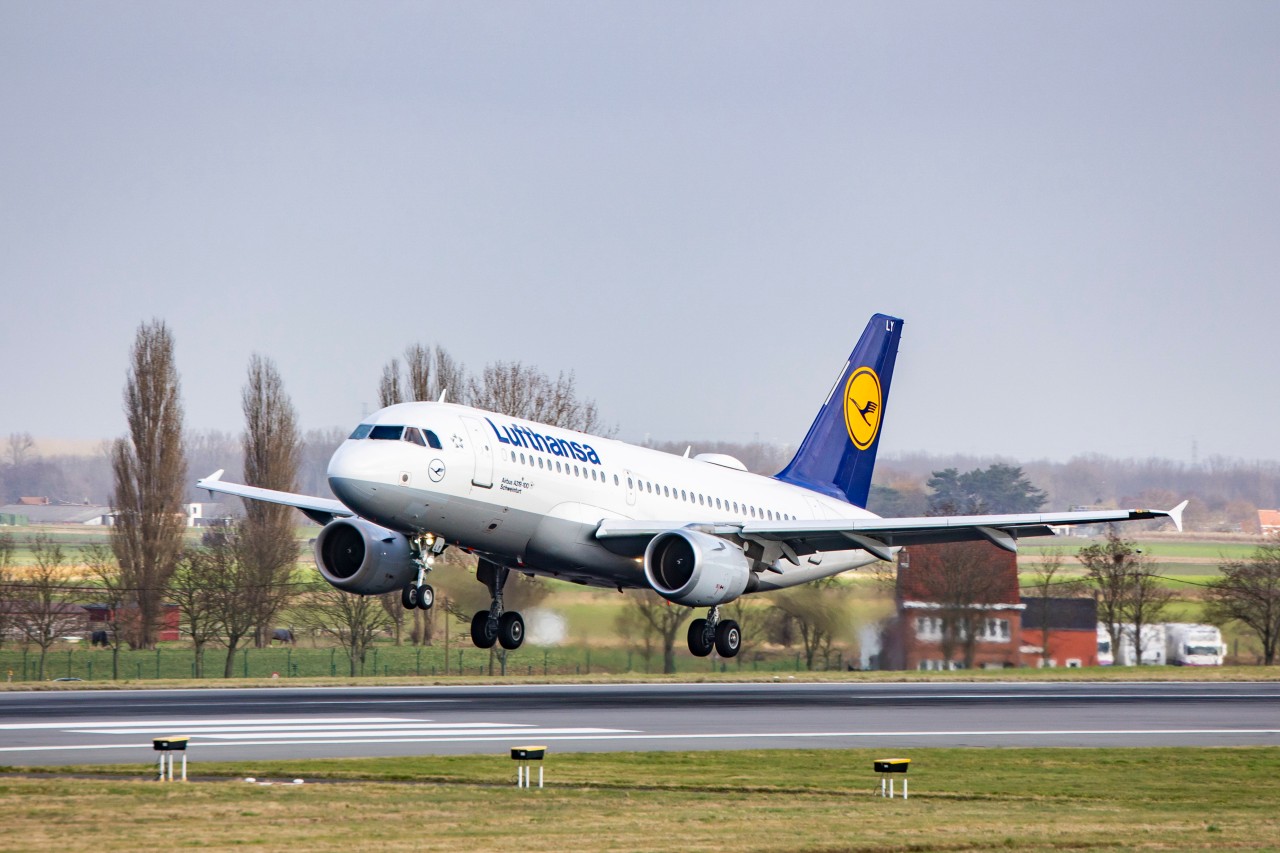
(506, 628)
(419, 594)
(723, 635)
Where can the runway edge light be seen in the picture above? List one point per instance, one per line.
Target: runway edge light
(887, 766)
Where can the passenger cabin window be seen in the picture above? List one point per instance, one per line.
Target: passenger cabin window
(362, 431)
(387, 433)
(433, 440)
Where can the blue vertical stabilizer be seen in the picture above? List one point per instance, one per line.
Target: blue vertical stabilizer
(837, 456)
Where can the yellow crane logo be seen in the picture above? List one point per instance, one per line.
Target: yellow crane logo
(863, 407)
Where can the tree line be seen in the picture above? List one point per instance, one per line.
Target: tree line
(232, 587)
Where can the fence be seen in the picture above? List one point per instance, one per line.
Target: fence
(178, 661)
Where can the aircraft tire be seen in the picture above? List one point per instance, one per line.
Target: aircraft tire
(699, 646)
(511, 630)
(728, 639)
(426, 597)
(409, 597)
(480, 634)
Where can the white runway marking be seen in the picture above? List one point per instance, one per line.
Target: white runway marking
(196, 721)
(279, 731)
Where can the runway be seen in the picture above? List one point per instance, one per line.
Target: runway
(100, 727)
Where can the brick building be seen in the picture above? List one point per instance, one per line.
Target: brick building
(1269, 522)
(100, 615)
(957, 605)
(1073, 631)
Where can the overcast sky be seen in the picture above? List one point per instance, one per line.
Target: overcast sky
(694, 206)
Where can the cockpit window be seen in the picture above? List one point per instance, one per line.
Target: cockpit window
(389, 433)
(362, 431)
(433, 440)
(414, 436)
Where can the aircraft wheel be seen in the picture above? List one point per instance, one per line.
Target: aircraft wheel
(409, 597)
(728, 638)
(426, 597)
(699, 644)
(511, 630)
(481, 634)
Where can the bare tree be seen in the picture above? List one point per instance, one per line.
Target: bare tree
(417, 362)
(637, 632)
(962, 579)
(6, 586)
(392, 603)
(352, 620)
(150, 477)
(113, 596)
(42, 614)
(233, 588)
(428, 372)
(752, 618)
(196, 588)
(389, 392)
(663, 617)
(19, 449)
(523, 391)
(1129, 592)
(450, 377)
(1248, 592)
(1048, 583)
(272, 452)
(813, 612)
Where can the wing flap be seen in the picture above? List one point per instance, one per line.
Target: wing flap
(878, 535)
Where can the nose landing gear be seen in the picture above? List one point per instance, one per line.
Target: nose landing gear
(419, 594)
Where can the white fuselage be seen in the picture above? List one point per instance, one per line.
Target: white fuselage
(531, 496)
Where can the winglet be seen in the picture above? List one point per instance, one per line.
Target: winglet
(215, 476)
(1175, 515)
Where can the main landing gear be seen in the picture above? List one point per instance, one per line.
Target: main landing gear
(419, 595)
(494, 625)
(714, 633)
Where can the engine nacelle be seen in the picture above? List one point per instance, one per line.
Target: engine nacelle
(359, 556)
(695, 569)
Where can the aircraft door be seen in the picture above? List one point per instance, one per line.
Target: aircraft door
(631, 488)
(482, 447)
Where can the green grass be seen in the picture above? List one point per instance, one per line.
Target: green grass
(1161, 549)
(815, 800)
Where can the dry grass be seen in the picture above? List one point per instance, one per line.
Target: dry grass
(1160, 799)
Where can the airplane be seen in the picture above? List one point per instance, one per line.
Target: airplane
(415, 478)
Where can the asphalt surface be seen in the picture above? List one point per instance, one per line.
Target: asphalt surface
(99, 727)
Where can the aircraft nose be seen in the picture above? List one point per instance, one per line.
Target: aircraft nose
(350, 471)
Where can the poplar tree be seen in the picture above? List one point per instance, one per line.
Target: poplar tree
(150, 473)
(272, 451)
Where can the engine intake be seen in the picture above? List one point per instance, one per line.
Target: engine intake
(358, 556)
(695, 569)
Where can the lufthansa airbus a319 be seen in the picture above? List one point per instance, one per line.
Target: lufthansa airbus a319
(416, 478)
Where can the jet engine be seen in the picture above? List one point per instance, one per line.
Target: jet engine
(696, 569)
(358, 556)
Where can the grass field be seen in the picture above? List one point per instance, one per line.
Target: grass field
(814, 800)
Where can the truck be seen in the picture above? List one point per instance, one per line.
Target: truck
(1105, 657)
(1153, 646)
(1192, 644)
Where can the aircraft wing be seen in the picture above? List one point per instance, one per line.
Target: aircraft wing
(879, 535)
(319, 510)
